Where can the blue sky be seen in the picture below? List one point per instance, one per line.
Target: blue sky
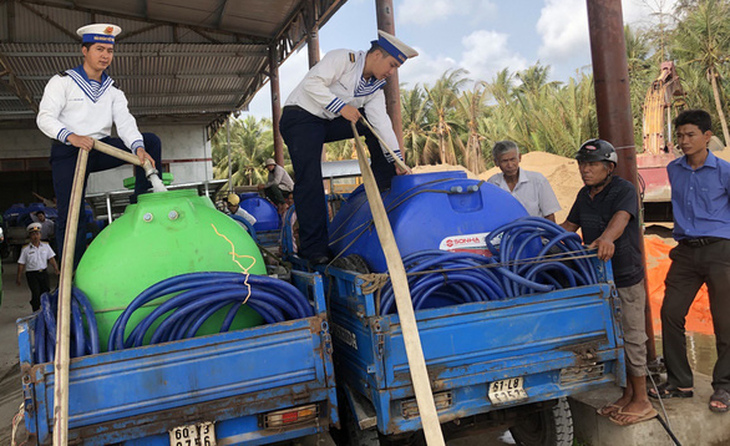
(481, 36)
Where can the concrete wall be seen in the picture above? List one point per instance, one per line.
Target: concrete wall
(184, 147)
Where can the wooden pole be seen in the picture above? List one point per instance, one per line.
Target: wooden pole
(63, 330)
(613, 108)
(386, 22)
(275, 105)
(403, 302)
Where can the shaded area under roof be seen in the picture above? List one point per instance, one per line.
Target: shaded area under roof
(178, 61)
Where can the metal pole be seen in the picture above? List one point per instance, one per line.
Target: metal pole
(386, 22)
(275, 104)
(228, 145)
(109, 208)
(613, 103)
(313, 36)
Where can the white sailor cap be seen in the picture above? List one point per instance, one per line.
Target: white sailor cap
(34, 227)
(99, 33)
(393, 45)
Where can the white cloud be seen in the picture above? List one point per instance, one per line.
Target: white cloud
(487, 53)
(563, 24)
(424, 12)
(646, 12)
(484, 53)
(424, 69)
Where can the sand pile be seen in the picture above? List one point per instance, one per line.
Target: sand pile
(561, 172)
(724, 154)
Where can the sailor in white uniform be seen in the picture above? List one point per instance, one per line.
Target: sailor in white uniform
(341, 88)
(83, 103)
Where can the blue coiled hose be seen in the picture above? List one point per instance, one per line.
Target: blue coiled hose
(190, 300)
(84, 336)
(510, 272)
(201, 295)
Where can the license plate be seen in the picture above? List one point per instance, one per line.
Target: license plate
(507, 390)
(202, 434)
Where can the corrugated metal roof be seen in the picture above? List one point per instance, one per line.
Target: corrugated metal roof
(175, 59)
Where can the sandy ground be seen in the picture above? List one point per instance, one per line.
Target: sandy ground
(15, 304)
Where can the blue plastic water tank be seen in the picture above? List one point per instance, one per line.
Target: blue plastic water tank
(267, 218)
(442, 210)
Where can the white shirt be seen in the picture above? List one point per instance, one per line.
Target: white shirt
(532, 190)
(36, 258)
(337, 81)
(74, 104)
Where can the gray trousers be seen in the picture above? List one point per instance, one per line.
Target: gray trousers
(692, 267)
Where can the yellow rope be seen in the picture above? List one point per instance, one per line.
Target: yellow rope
(234, 258)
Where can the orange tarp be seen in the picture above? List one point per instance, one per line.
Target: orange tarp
(699, 319)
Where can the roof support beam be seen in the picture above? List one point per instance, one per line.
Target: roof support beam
(224, 11)
(242, 36)
(127, 35)
(135, 54)
(164, 76)
(14, 83)
(10, 20)
(51, 22)
(179, 94)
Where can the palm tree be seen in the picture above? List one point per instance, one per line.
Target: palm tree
(702, 40)
(340, 150)
(251, 143)
(414, 111)
(443, 97)
(535, 78)
(471, 106)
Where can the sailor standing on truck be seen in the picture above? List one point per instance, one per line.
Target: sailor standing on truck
(607, 212)
(80, 105)
(343, 87)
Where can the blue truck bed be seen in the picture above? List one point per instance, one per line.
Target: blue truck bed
(136, 396)
(559, 343)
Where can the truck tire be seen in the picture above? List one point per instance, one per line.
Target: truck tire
(550, 427)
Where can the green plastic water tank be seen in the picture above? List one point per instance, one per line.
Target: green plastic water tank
(164, 235)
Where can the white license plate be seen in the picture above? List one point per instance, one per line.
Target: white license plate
(507, 390)
(202, 434)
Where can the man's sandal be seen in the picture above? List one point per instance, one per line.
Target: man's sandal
(721, 396)
(667, 390)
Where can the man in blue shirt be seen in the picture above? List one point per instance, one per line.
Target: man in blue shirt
(701, 205)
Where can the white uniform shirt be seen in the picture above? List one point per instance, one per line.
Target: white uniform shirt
(337, 81)
(36, 258)
(74, 104)
(532, 190)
